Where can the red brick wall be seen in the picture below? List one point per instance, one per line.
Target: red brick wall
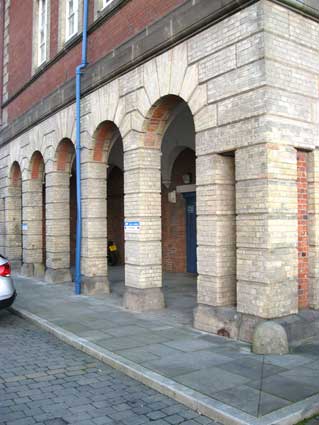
(303, 247)
(54, 27)
(115, 210)
(20, 43)
(128, 21)
(173, 216)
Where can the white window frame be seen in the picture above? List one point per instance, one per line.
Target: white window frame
(106, 3)
(42, 31)
(72, 14)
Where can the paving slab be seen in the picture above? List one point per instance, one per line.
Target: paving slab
(214, 375)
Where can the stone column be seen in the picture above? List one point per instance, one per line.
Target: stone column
(94, 228)
(32, 216)
(2, 227)
(143, 252)
(216, 252)
(58, 227)
(13, 226)
(266, 203)
(313, 212)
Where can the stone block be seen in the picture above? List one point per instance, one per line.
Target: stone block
(271, 266)
(139, 300)
(216, 230)
(95, 285)
(215, 169)
(218, 199)
(268, 301)
(270, 338)
(216, 290)
(237, 81)
(260, 231)
(58, 275)
(216, 261)
(146, 253)
(138, 276)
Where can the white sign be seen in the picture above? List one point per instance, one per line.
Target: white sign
(132, 226)
(24, 226)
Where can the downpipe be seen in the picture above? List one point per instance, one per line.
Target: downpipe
(78, 74)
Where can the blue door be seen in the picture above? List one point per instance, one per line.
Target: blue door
(190, 199)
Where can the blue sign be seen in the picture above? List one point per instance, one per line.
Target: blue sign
(132, 226)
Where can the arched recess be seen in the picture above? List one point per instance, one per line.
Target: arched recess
(13, 217)
(95, 163)
(34, 253)
(163, 139)
(59, 234)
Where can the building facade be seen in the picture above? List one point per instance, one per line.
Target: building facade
(199, 130)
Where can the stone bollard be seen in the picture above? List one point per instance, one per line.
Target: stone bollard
(270, 338)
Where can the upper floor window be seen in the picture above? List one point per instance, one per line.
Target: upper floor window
(42, 31)
(72, 18)
(107, 2)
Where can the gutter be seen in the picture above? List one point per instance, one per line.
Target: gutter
(301, 5)
(78, 74)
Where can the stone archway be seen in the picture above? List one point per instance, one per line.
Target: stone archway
(95, 164)
(58, 214)
(34, 232)
(13, 217)
(143, 274)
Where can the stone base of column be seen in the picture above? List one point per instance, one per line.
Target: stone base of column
(36, 270)
(226, 321)
(15, 266)
(58, 275)
(95, 285)
(39, 270)
(27, 270)
(136, 299)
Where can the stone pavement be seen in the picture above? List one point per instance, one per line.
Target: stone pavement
(44, 381)
(254, 389)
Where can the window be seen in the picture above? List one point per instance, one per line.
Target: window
(42, 31)
(106, 3)
(72, 18)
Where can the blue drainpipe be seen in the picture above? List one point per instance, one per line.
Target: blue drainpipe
(78, 151)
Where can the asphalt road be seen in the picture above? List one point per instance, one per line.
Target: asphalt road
(44, 381)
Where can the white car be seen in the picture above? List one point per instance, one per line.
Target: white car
(7, 291)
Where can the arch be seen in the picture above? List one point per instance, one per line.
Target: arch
(36, 166)
(144, 196)
(34, 218)
(13, 216)
(106, 146)
(104, 137)
(15, 174)
(158, 119)
(64, 155)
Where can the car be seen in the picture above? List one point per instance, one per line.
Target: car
(7, 290)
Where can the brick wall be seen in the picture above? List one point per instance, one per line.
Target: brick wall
(173, 216)
(303, 243)
(20, 47)
(128, 21)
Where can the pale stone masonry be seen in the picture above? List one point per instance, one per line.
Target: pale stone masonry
(251, 82)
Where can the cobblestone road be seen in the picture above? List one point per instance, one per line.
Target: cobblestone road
(44, 381)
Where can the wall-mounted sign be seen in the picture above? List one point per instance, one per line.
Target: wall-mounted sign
(24, 226)
(132, 226)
